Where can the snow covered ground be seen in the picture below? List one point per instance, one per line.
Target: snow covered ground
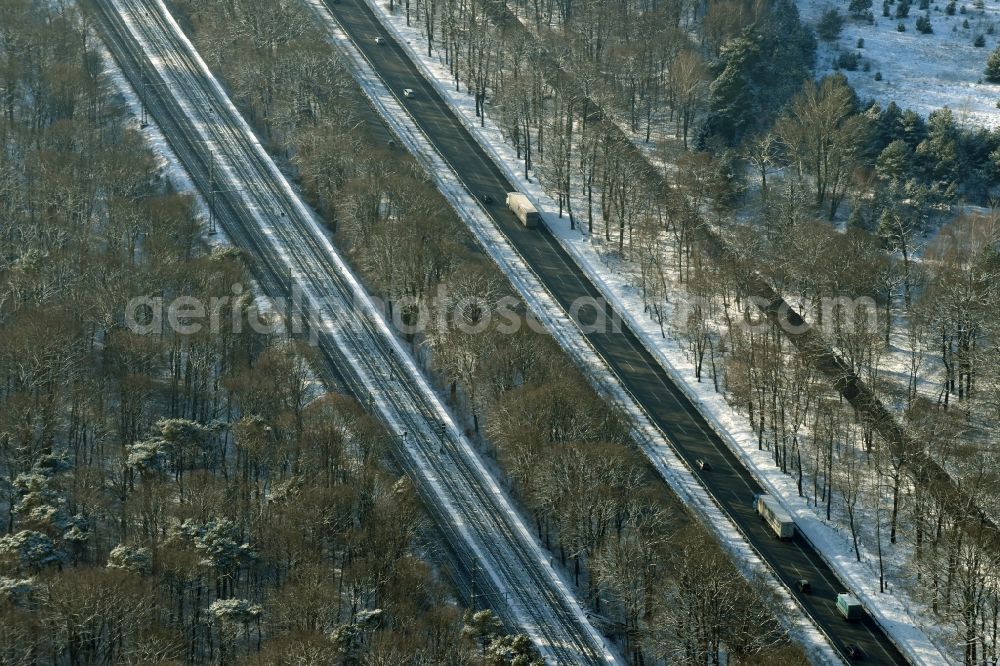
(920, 72)
(901, 618)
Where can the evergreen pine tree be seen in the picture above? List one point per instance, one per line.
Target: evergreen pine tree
(859, 7)
(894, 162)
(913, 127)
(938, 154)
(830, 25)
(992, 71)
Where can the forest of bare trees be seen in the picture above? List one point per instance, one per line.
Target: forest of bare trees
(198, 498)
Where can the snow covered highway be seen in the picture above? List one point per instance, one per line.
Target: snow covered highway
(495, 557)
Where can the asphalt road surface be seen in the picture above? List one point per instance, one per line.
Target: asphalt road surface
(729, 481)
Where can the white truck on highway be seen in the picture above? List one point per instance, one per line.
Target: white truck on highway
(776, 518)
(849, 606)
(525, 211)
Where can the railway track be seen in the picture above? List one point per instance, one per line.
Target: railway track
(494, 558)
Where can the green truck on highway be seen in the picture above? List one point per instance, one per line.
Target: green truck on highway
(849, 606)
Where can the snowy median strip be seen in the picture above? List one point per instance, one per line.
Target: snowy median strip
(891, 611)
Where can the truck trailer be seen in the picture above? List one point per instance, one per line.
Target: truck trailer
(849, 607)
(520, 206)
(776, 518)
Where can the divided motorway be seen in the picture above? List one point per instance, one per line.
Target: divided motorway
(728, 481)
(494, 557)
